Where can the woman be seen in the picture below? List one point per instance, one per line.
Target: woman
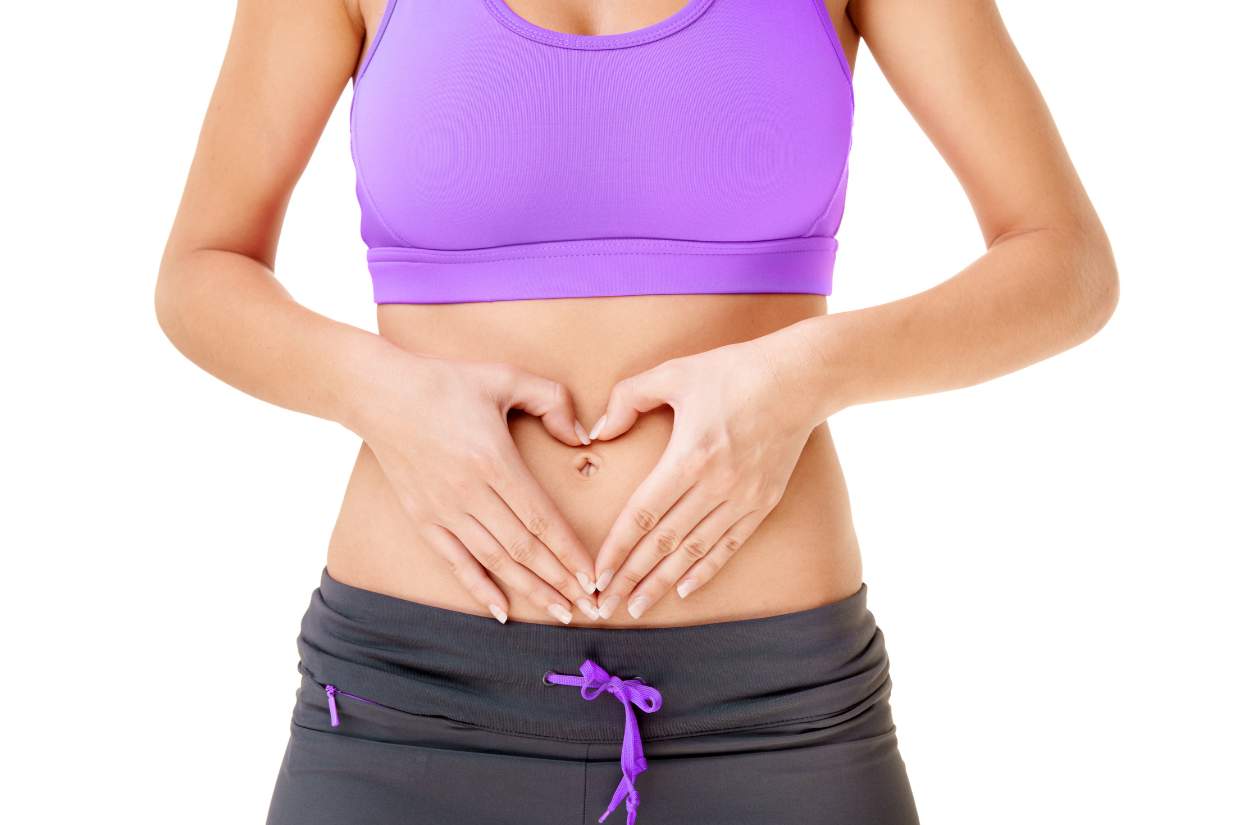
(617, 222)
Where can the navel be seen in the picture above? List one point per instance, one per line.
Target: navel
(587, 463)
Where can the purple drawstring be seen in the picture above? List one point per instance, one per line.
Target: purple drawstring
(594, 680)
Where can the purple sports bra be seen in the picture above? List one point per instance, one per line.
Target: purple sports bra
(498, 160)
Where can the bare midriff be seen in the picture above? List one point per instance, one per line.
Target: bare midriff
(803, 555)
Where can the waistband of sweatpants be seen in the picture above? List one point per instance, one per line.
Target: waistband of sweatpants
(823, 663)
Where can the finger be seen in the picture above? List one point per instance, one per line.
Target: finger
(706, 569)
(701, 539)
(527, 550)
(548, 400)
(487, 550)
(629, 398)
(658, 544)
(657, 493)
(468, 571)
(513, 482)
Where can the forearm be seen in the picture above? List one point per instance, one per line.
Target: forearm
(227, 313)
(1030, 296)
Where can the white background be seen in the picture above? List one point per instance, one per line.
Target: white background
(1052, 555)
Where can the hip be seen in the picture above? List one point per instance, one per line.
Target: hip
(408, 707)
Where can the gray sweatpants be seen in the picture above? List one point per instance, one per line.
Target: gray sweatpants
(419, 715)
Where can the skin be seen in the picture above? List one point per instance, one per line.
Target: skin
(473, 488)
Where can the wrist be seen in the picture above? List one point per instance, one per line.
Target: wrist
(374, 371)
(818, 373)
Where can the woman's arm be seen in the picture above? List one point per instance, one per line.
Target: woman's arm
(1047, 280)
(217, 297)
(438, 427)
(744, 412)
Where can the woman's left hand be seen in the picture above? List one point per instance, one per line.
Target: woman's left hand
(742, 415)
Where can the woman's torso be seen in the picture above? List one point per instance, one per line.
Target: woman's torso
(804, 554)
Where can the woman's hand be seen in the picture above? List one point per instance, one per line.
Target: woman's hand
(440, 432)
(742, 417)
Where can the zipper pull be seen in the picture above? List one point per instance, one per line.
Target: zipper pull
(331, 704)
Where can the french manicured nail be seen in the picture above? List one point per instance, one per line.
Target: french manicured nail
(686, 587)
(560, 612)
(603, 580)
(581, 433)
(598, 427)
(586, 584)
(498, 613)
(608, 606)
(638, 606)
(588, 608)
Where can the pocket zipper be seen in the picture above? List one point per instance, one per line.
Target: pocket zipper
(332, 692)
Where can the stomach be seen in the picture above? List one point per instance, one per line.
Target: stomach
(803, 555)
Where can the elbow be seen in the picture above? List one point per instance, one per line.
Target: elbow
(1093, 287)
(167, 306)
(165, 313)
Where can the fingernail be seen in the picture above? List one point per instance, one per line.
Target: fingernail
(588, 608)
(686, 587)
(586, 584)
(498, 613)
(638, 606)
(608, 606)
(581, 432)
(560, 612)
(598, 427)
(604, 580)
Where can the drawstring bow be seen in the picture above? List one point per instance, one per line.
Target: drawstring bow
(594, 681)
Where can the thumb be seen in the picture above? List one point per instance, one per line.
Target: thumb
(634, 395)
(550, 401)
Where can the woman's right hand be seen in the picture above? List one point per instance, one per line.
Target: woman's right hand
(439, 429)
